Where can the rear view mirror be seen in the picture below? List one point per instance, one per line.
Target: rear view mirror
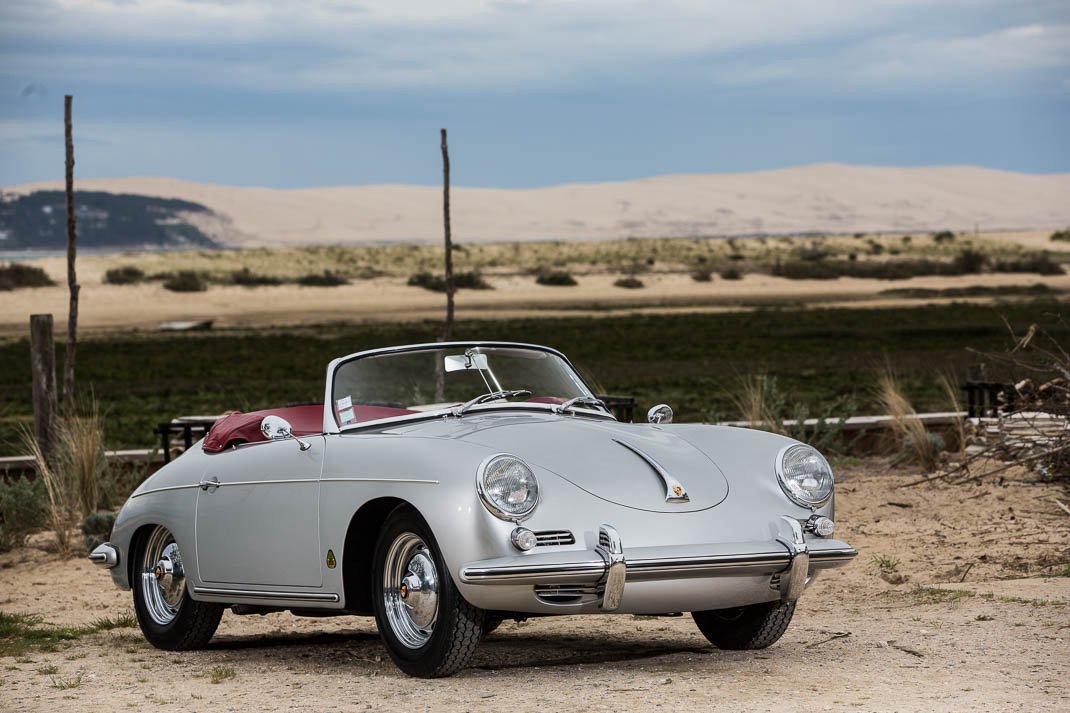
(461, 362)
(276, 428)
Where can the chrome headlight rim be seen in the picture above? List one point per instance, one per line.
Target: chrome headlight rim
(794, 497)
(493, 507)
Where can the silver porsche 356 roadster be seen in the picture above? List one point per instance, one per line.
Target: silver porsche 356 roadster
(446, 487)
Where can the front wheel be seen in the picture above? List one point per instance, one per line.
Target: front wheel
(752, 627)
(428, 628)
(168, 616)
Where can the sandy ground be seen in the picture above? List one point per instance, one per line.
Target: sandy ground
(964, 621)
(822, 197)
(145, 306)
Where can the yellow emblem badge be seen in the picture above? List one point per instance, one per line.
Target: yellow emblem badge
(677, 490)
(331, 561)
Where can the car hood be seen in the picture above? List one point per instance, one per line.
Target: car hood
(613, 461)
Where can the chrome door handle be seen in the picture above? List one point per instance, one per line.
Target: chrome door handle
(209, 484)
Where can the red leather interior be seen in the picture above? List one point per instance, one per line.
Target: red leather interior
(305, 420)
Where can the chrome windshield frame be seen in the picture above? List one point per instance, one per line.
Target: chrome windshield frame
(331, 425)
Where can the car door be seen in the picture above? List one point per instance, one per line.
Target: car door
(257, 518)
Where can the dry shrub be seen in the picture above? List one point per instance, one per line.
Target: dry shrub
(72, 475)
(61, 493)
(81, 453)
(908, 430)
(755, 401)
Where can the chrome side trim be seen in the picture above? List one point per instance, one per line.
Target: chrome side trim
(674, 491)
(214, 485)
(274, 596)
(380, 480)
(281, 481)
(534, 573)
(150, 491)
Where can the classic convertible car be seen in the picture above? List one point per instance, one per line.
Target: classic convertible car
(446, 487)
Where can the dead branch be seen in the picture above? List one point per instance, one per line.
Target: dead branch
(836, 635)
(1018, 461)
(905, 649)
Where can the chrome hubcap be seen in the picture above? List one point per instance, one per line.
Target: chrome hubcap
(163, 580)
(410, 590)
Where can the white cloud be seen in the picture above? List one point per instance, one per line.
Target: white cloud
(505, 44)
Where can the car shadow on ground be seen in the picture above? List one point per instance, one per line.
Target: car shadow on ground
(513, 650)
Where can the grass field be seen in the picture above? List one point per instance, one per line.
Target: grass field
(634, 255)
(692, 361)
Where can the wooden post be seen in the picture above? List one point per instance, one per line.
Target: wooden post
(43, 367)
(72, 278)
(448, 334)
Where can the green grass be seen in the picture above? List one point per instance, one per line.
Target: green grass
(218, 674)
(885, 563)
(970, 291)
(107, 623)
(691, 361)
(22, 633)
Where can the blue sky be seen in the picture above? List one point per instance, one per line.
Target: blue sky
(534, 92)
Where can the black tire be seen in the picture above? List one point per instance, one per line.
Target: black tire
(447, 644)
(193, 623)
(752, 627)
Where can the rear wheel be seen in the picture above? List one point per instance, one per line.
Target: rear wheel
(428, 628)
(752, 627)
(168, 616)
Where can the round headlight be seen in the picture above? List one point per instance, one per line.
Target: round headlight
(804, 475)
(508, 487)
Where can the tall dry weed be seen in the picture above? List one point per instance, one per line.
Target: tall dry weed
(908, 430)
(61, 492)
(951, 392)
(73, 473)
(81, 454)
(756, 400)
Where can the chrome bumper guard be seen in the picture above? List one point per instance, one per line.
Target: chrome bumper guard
(105, 555)
(790, 555)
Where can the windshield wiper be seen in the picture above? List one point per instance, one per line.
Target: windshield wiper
(504, 394)
(581, 401)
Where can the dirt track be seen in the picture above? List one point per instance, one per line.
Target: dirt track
(858, 641)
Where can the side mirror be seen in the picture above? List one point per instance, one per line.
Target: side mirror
(661, 413)
(276, 428)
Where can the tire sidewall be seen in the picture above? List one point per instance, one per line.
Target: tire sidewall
(421, 661)
(163, 636)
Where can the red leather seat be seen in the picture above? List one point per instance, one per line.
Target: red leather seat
(238, 428)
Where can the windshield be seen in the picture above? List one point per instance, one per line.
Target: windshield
(396, 384)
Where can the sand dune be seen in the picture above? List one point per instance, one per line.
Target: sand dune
(822, 197)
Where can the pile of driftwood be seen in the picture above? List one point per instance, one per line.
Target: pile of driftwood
(1025, 437)
(1032, 429)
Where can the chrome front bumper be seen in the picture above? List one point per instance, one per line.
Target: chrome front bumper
(789, 555)
(105, 555)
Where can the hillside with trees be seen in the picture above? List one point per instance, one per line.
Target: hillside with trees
(37, 221)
